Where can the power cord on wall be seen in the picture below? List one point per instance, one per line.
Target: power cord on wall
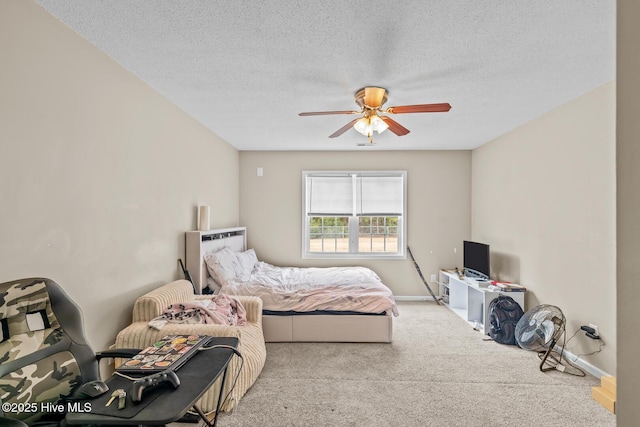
(591, 335)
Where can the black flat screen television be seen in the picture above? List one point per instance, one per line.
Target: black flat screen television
(476, 260)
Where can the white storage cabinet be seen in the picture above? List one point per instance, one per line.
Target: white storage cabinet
(470, 301)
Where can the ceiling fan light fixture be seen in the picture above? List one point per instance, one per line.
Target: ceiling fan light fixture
(378, 124)
(367, 125)
(363, 126)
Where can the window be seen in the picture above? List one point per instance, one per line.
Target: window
(354, 214)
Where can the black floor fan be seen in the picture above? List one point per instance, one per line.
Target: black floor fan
(435, 298)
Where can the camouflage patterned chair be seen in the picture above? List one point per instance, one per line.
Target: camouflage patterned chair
(43, 356)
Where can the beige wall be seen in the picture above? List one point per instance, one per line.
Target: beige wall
(99, 175)
(628, 233)
(543, 197)
(438, 186)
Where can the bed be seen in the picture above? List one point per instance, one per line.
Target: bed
(335, 304)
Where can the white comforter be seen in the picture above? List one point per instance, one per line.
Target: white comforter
(356, 289)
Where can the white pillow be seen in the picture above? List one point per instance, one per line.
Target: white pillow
(213, 285)
(246, 261)
(221, 265)
(226, 265)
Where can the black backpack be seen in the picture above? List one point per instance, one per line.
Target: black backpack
(504, 313)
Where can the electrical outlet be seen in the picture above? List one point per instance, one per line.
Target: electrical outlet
(433, 278)
(596, 330)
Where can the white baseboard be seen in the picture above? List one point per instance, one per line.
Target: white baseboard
(412, 298)
(584, 365)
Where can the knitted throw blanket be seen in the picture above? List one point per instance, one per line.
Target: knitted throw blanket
(219, 309)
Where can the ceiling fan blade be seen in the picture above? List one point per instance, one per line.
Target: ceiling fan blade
(343, 129)
(325, 113)
(420, 108)
(394, 126)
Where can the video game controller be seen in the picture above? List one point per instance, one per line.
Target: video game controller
(142, 384)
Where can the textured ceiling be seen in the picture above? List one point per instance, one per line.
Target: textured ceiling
(245, 69)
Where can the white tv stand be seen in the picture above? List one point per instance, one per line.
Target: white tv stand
(470, 301)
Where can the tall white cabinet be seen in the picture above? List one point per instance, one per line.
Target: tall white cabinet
(469, 300)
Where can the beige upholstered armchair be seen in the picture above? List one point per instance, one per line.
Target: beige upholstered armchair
(149, 306)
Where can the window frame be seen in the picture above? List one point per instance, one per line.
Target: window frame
(354, 220)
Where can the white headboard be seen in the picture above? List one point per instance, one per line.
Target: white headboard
(199, 243)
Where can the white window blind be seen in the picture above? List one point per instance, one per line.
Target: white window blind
(379, 195)
(330, 195)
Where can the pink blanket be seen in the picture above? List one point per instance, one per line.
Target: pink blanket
(219, 309)
(312, 288)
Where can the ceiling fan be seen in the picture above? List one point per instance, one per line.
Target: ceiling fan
(370, 100)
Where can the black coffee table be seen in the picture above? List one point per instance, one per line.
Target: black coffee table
(161, 404)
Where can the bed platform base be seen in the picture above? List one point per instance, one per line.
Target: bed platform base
(327, 328)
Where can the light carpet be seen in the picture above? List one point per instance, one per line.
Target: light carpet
(437, 372)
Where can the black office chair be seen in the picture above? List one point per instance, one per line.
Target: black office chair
(44, 355)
